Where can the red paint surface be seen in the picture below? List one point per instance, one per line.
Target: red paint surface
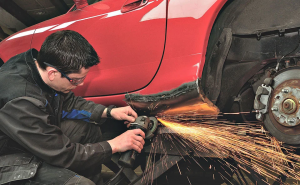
(131, 46)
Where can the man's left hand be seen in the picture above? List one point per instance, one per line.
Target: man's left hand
(124, 113)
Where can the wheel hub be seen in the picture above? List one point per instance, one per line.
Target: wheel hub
(289, 106)
(277, 104)
(285, 103)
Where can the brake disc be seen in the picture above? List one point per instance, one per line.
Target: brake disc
(277, 104)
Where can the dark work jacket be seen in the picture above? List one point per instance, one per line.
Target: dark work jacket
(30, 116)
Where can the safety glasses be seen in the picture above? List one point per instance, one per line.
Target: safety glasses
(73, 81)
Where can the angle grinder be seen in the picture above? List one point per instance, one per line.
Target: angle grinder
(148, 125)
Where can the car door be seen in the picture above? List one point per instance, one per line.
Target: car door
(130, 44)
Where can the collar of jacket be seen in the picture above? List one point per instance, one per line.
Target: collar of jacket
(30, 57)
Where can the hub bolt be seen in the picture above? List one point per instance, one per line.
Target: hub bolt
(291, 121)
(285, 91)
(274, 108)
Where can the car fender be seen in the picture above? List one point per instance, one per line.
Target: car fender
(186, 42)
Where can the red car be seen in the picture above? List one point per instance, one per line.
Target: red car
(243, 55)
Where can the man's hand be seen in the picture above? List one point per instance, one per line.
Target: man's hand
(131, 139)
(124, 113)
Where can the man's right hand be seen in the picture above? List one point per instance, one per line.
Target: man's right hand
(131, 139)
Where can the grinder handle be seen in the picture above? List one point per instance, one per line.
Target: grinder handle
(127, 159)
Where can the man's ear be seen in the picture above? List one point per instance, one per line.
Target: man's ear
(51, 74)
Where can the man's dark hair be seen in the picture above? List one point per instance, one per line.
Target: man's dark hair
(68, 51)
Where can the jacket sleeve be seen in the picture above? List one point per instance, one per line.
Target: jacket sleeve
(25, 121)
(75, 107)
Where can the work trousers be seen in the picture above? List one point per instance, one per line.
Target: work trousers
(78, 132)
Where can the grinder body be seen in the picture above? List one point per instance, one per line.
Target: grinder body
(148, 126)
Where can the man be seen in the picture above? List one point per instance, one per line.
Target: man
(48, 135)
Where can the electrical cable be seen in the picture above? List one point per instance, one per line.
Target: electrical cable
(115, 177)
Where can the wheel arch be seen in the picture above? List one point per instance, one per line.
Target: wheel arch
(244, 19)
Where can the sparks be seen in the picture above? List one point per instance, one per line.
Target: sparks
(196, 124)
(254, 149)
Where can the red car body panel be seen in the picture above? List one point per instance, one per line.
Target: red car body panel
(149, 50)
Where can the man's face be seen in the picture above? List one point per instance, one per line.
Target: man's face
(62, 84)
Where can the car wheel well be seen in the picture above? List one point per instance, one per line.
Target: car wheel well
(245, 50)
